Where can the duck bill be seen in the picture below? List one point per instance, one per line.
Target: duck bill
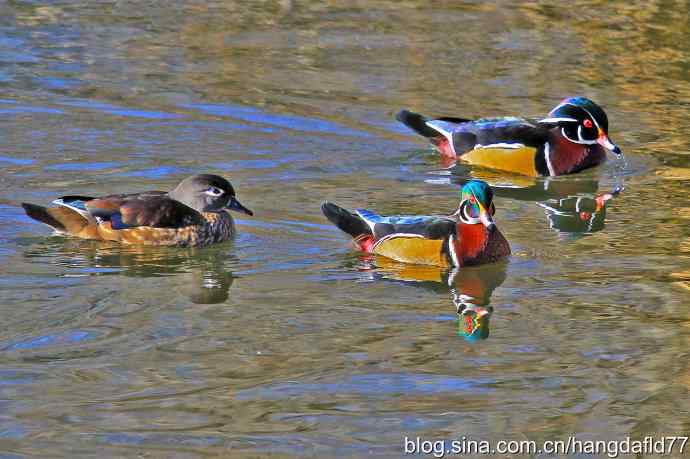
(237, 206)
(484, 216)
(486, 219)
(605, 142)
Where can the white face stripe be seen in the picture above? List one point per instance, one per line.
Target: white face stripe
(583, 142)
(547, 156)
(558, 120)
(578, 106)
(593, 118)
(466, 218)
(559, 106)
(579, 133)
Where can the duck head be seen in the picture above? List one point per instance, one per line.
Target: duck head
(476, 204)
(207, 193)
(583, 122)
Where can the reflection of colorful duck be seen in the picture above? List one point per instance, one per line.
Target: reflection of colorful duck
(471, 291)
(571, 206)
(470, 287)
(577, 214)
(473, 321)
(201, 273)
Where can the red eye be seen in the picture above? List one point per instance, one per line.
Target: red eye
(587, 123)
(472, 200)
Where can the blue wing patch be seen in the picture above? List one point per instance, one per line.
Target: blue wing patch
(72, 203)
(372, 219)
(488, 123)
(116, 222)
(76, 203)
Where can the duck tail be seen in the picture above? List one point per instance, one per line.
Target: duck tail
(61, 219)
(427, 126)
(348, 222)
(417, 123)
(439, 131)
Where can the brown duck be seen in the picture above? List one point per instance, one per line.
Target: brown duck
(194, 213)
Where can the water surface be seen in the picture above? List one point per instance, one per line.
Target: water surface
(286, 343)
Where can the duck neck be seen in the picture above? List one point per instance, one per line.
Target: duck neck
(565, 157)
(471, 241)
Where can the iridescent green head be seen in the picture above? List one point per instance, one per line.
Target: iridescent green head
(477, 204)
(582, 121)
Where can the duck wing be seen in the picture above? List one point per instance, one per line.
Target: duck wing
(411, 239)
(512, 144)
(153, 209)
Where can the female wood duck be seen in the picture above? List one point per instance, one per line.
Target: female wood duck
(468, 237)
(192, 214)
(573, 137)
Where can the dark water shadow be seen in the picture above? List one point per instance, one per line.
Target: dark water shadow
(203, 274)
(469, 289)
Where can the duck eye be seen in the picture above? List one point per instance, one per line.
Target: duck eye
(213, 191)
(587, 123)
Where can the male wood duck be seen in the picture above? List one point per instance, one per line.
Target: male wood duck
(468, 237)
(574, 136)
(192, 214)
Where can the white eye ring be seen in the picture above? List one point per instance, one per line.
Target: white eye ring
(581, 141)
(213, 191)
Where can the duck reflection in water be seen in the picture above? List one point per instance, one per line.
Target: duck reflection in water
(578, 214)
(470, 288)
(572, 205)
(201, 273)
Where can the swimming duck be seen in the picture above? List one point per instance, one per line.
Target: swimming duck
(191, 214)
(573, 137)
(468, 237)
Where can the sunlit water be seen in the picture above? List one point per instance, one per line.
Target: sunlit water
(285, 342)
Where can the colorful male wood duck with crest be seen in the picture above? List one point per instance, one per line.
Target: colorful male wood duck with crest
(192, 214)
(468, 237)
(573, 137)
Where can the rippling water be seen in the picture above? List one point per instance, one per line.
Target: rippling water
(286, 343)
